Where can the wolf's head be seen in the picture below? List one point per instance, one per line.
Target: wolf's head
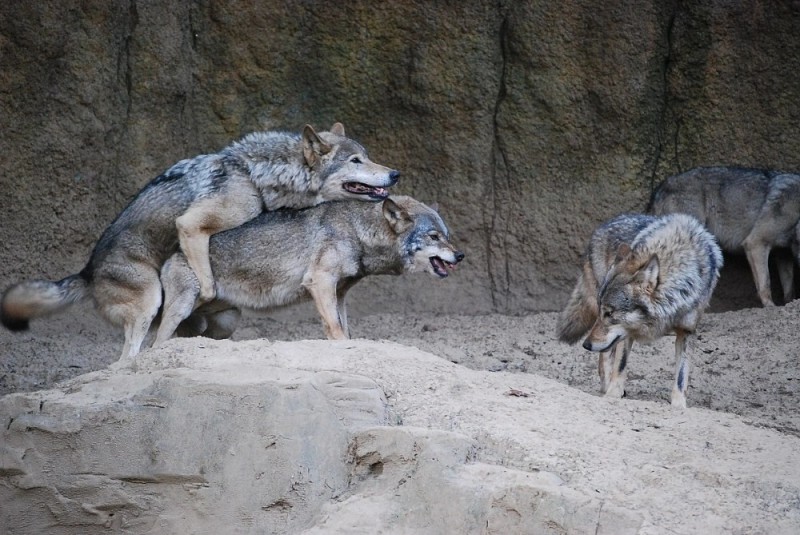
(343, 167)
(422, 236)
(624, 301)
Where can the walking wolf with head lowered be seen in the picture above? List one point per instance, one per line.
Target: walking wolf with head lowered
(189, 202)
(319, 253)
(748, 210)
(643, 277)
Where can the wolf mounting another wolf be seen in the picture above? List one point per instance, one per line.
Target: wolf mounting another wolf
(643, 277)
(322, 252)
(192, 200)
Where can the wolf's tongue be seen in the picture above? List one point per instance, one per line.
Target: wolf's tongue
(439, 266)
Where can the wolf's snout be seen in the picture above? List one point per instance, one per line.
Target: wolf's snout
(587, 345)
(459, 256)
(393, 177)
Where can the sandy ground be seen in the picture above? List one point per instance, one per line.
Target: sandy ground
(744, 362)
(736, 464)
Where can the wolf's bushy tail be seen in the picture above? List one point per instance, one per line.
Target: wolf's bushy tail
(34, 299)
(580, 312)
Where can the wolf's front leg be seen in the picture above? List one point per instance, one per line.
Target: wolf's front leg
(322, 287)
(194, 244)
(757, 253)
(604, 363)
(681, 370)
(616, 368)
(232, 206)
(341, 305)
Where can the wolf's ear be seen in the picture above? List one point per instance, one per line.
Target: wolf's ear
(398, 218)
(313, 146)
(338, 129)
(648, 275)
(434, 206)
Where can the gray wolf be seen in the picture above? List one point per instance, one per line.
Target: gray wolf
(190, 201)
(320, 253)
(748, 210)
(643, 277)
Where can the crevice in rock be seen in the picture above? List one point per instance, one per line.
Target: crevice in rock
(192, 32)
(599, 516)
(133, 14)
(279, 505)
(125, 94)
(665, 99)
(675, 137)
(500, 181)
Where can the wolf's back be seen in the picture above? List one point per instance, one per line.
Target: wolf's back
(34, 299)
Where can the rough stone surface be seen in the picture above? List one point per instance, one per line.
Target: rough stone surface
(529, 122)
(374, 437)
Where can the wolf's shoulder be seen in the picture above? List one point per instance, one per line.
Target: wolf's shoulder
(263, 143)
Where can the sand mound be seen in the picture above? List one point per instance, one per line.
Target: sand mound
(364, 436)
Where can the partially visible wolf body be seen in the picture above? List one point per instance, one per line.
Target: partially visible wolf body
(748, 210)
(192, 200)
(643, 277)
(319, 253)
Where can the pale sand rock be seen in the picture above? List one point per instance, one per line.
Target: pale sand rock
(253, 436)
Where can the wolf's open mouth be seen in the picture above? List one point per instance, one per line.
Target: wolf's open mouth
(357, 188)
(440, 266)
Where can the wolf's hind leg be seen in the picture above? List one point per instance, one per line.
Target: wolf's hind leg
(140, 318)
(785, 265)
(128, 294)
(681, 370)
(135, 333)
(181, 290)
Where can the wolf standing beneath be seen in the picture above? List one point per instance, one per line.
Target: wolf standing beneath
(192, 200)
(643, 277)
(748, 210)
(321, 252)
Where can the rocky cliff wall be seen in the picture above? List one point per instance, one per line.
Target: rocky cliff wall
(528, 122)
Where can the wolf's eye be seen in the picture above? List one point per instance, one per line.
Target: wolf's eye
(606, 314)
(433, 236)
(355, 159)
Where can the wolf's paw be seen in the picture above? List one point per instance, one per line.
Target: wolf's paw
(207, 293)
(678, 399)
(615, 390)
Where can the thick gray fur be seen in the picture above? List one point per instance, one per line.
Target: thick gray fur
(643, 277)
(212, 192)
(318, 253)
(748, 210)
